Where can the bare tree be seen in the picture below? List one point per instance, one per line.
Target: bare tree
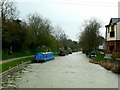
(8, 10)
(90, 35)
(60, 36)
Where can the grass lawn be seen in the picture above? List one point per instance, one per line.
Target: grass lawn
(7, 65)
(5, 56)
(99, 57)
(0, 55)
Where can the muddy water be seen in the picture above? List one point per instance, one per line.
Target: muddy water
(71, 71)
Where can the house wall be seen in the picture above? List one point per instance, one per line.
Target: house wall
(113, 42)
(117, 52)
(108, 46)
(118, 31)
(108, 33)
(116, 46)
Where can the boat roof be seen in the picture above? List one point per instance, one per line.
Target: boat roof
(46, 52)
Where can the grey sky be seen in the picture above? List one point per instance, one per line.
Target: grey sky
(70, 14)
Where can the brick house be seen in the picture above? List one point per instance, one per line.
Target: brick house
(113, 37)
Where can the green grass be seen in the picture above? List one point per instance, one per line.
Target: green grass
(7, 65)
(0, 55)
(26, 52)
(99, 57)
(113, 59)
(5, 56)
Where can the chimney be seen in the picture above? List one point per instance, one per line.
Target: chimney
(119, 9)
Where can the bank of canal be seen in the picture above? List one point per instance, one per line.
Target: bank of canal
(71, 71)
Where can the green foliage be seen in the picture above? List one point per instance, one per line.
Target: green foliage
(89, 38)
(39, 32)
(13, 34)
(20, 35)
(100, 57)
(28, 37)
(5, 55)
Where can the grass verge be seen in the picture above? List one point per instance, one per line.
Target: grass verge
(100, 57)
(7, 65)
(5, 56)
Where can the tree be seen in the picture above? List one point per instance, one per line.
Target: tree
(90, 34)
(61, 37)
(40, 29)
(64, 41)
(58, 33)
(8, 10)
(13, 35)
(12, 32)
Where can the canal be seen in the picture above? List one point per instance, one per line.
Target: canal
(71, 71)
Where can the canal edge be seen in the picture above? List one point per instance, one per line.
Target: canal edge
(3, 75)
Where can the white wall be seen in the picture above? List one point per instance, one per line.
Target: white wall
(118, 31)
(108, 34)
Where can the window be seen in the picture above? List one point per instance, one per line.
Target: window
(112, 33)
(112, 28)
(108, 28)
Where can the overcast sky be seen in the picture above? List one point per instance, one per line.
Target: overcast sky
(70, 14)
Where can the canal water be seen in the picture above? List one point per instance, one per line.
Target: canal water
(71, 71)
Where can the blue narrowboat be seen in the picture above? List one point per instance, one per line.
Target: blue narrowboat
(41, 57)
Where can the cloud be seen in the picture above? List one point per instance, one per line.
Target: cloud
(69, 15)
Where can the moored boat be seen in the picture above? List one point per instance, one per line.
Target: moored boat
(46, 56)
